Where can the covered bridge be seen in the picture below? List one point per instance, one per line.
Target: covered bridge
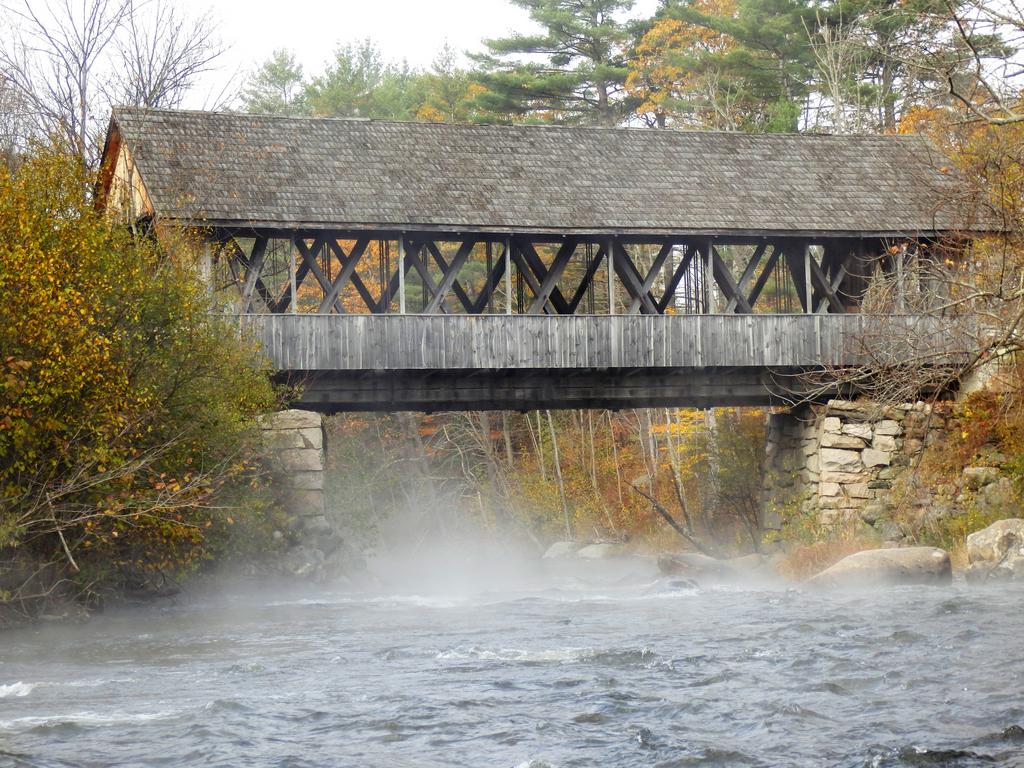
(420, 265)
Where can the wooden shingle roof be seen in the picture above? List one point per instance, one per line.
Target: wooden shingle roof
(285, 172)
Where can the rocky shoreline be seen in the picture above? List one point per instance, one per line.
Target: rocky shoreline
(995, 553)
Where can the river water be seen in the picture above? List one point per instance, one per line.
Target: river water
(607, 665)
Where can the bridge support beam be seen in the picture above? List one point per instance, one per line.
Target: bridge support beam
(293, 443)
(838, 461)
(523, 390)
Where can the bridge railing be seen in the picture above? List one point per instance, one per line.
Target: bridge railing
(313, 342)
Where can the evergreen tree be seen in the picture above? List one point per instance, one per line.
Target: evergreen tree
(448, 91)
(572, 72)
(276, 87)
(360, 83)
(771, 63)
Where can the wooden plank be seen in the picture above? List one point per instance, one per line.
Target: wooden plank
(348, 268)
(313, 342)
(550, 281)
(536, 265)
(652, 275)
(724, 279)
(449, 276)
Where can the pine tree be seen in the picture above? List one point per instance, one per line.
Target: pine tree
(572, 72)
(360, 83)
(276, 87)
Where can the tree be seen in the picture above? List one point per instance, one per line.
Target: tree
(572, 72)
(161, 55)
(448, 91)
(65, 62)
(54, 65)
(15, 119)
(674, 77)
(126, 406)
(981, 81)
(360, 83)
(885, 48)
(771, 62)
(277, 87)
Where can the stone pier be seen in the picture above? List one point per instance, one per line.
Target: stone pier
(294, 452)
(839, 461)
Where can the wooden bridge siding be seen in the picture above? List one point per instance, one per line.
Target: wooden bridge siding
(475, 342)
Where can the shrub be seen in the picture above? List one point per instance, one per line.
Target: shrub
(126, 406)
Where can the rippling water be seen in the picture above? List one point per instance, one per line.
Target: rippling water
(611, 667)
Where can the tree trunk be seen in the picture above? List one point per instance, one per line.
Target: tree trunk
(558, 476)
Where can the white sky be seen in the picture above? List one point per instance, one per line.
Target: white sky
(414, 30)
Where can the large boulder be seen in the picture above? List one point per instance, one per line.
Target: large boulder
(875, 567)
(976, 478)
(561, 549)
(600, 551)
(303, 562)
(997, 552)
(700, 568)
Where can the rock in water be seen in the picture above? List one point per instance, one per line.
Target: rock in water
(561, 549)
(599, 551)
(702, 568)
(873, 567)
(997, 552)
(302, 561)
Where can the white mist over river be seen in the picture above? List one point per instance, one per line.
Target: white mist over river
(594, 664)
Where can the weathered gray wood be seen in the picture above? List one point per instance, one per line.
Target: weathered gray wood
(308, 342)
(551, 278)
(254, 265)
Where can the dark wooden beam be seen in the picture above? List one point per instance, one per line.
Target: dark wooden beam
(357, 281)
(588, 279)
(494, 276)
(308, 255)
(253, 281)
(536, 265)
(748, 273)
(448, 278)
(631, 280)
(414, 258)
(528, 277)
(765, 275)
(457, 288)
(550, 281)
(677, 276)
(348, 268)
(728, 286)
(795, 263)
(652, 275)
(823, 288)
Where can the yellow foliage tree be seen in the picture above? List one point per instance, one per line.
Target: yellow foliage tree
(125, 405)
(665, 78)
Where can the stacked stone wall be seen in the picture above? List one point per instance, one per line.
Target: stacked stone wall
(294, 452)
(839, 461)
(293, 443)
